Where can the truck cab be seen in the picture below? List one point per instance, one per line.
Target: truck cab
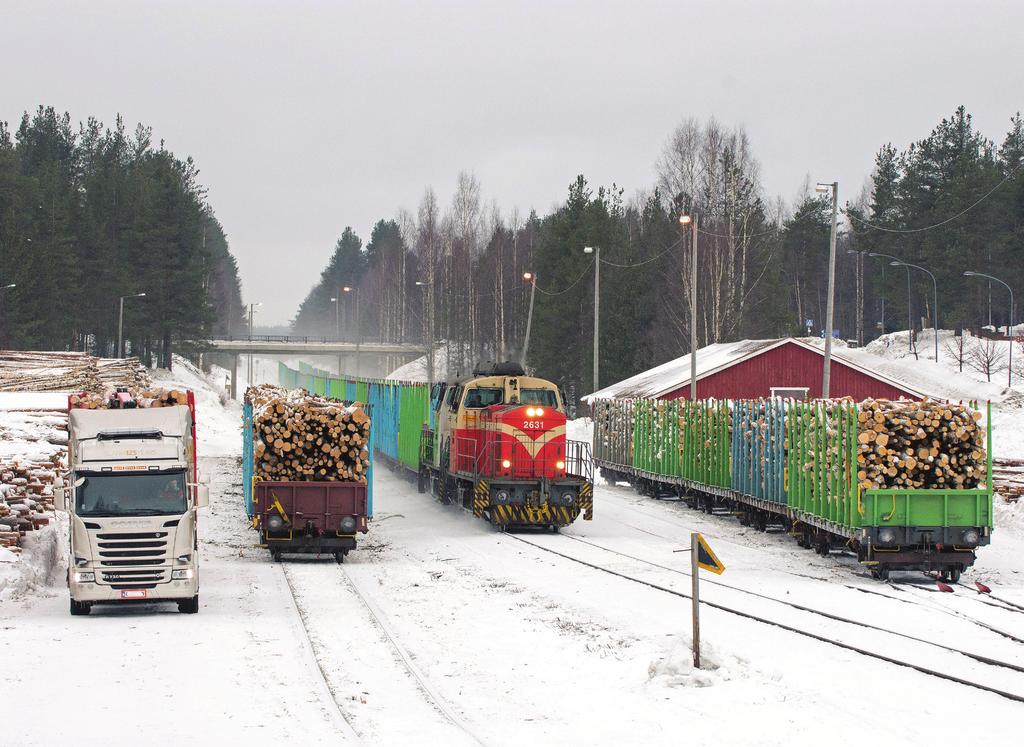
(132, 498)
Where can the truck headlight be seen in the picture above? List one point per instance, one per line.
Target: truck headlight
(81, 576)
(182, 574)
(970, 537)
(348, 524)
(275, 523)
(887, 536)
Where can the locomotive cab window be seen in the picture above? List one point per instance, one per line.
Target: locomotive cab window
(453, 397)
(545, 397)
(480, 397)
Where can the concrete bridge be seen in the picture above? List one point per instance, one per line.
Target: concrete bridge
(295, 345)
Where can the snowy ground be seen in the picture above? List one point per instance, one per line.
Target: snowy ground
(439, 630)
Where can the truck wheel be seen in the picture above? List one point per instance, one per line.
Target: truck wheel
(80, 608)
(189, 606)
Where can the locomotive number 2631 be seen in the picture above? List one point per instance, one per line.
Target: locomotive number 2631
(535, 425)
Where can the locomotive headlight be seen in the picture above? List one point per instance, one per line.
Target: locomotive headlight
(539, 411)
(347, 524)
(275, 523)
(559, 465)
(501, 497)
(887, 536)
(505, 463)
(970, 537)
(568, 498)
(530, 412)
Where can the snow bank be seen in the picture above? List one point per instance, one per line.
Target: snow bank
(40, 564)
(675, 667)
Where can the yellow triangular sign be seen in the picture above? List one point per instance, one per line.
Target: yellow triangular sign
(706, 558)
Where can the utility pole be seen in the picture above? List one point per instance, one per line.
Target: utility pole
(531, 278)
(691, 221)
(248, 377)
(596, 251)
(830, 301)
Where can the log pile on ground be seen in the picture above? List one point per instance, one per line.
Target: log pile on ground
(923, 445)
(26, 497)
(42, 371)
(306, 437)
(1008, 478)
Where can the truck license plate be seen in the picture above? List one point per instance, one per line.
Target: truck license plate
(133, 594)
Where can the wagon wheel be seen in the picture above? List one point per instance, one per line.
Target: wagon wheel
(339, 556)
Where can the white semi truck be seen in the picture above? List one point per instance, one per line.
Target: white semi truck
(132, 498)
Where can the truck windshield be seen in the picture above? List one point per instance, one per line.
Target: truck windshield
(146, 494)
(544, 397)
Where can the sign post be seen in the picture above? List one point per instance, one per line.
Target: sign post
(701, 556)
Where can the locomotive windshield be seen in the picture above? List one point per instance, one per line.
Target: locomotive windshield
(479, 397)
(544, 397)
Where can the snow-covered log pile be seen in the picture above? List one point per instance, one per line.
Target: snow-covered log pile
(923, 444)
(43, 371)
(303, 436)
(26, 497)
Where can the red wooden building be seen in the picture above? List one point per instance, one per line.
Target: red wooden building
(753, 368)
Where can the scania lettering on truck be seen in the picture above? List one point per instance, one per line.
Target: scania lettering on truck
(132, 496)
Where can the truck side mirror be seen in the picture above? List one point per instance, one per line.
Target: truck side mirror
(202, 496)
(60, 499)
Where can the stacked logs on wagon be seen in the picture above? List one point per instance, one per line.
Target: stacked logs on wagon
(925, 444)
(303, 436)
(26, 497)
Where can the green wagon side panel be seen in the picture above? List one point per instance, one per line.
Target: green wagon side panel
(414, 413)
(927, 508)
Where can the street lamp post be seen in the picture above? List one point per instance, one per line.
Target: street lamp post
(935, 290)
(686, 220)
(428, 330)
(860, 293)
(120, 322)
(337, 326)
(910, 311)
(252, 307)
(359, 331)
(596, 251)
(531, 278)
(830, 300)
(1009, 321)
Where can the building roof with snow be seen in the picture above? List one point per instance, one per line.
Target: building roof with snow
(752, 368)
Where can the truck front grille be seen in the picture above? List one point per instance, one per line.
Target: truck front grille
(143, 548)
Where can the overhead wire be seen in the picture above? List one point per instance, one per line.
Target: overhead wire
(571, 285)
(941, 223)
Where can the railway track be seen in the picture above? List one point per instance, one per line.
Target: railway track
(422, 682)
(1014, 696)
(342, 724)
(421, 679)
(989, 600)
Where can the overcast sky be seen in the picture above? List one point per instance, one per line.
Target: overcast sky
(307, 117)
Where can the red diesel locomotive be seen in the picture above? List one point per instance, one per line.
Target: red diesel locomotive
(500, 449)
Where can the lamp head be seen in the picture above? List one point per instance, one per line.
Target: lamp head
(588, 250)
(529, 275)
(347, 289)
(333, 299)
(684, 220)
(821, 188)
